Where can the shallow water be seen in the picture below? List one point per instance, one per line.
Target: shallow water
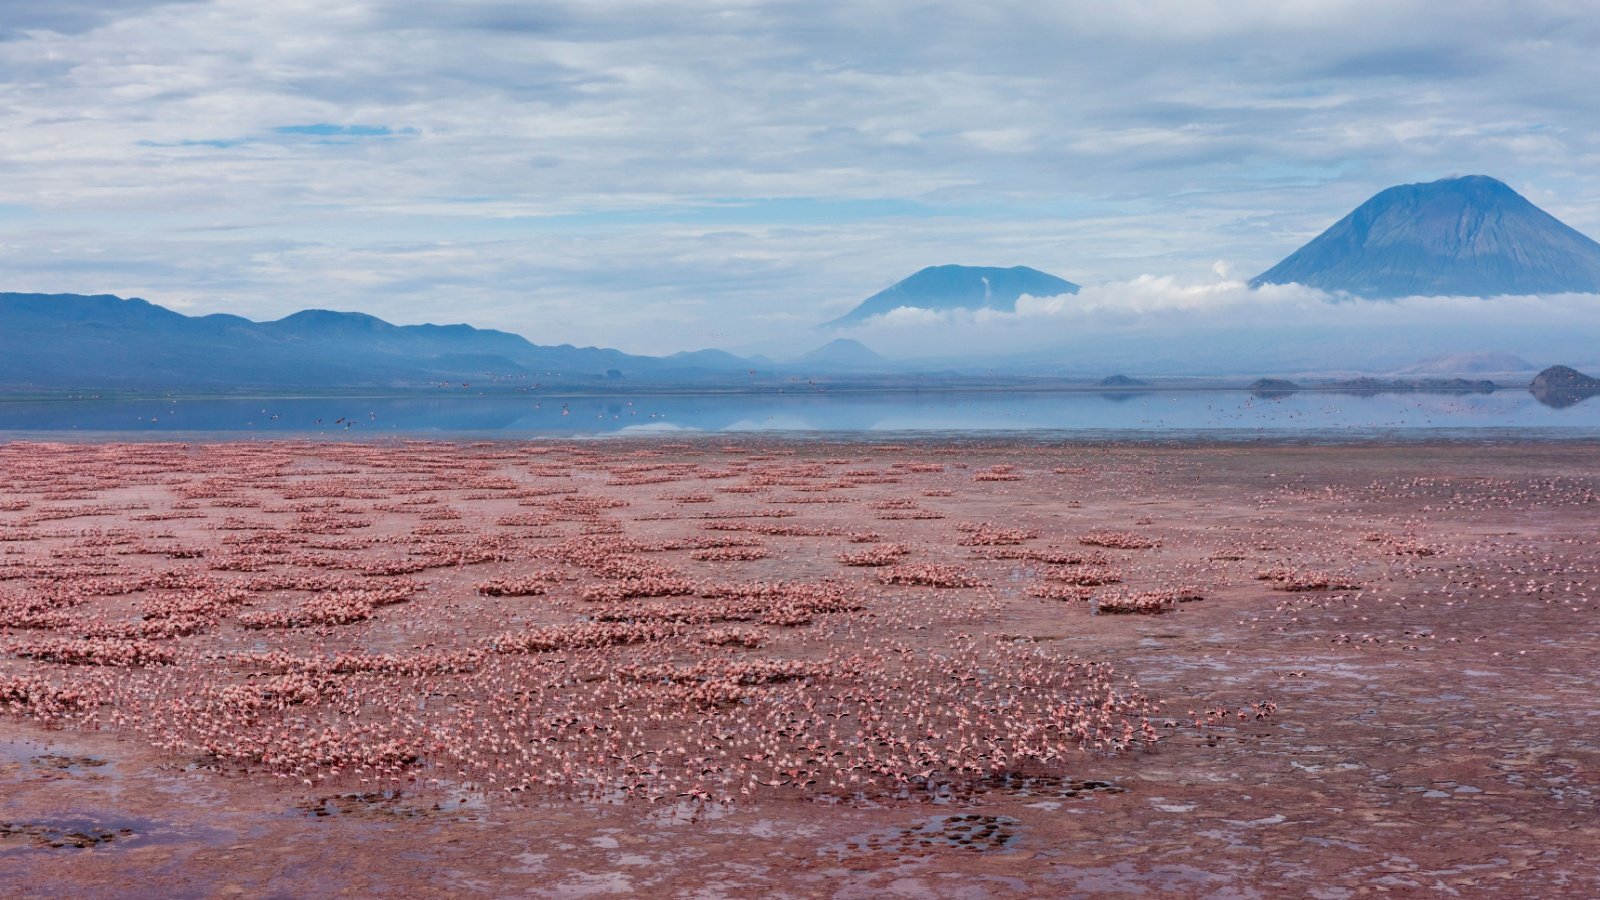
(1218, 414)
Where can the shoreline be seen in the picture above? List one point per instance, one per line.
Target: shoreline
(795, 389)
(1199, 439)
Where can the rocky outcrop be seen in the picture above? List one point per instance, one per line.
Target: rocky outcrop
(1561, 386)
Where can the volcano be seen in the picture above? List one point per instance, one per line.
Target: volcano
(941, 288)
(1470, 236)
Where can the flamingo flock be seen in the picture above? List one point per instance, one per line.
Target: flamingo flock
(649, 621)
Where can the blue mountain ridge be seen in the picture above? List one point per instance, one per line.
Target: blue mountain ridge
(105, 342)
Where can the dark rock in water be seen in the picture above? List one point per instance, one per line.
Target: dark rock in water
(1121, 381)
(1471, 236)
(1564, 378)
(1272, 386)
(1562, 386)
(960, 287)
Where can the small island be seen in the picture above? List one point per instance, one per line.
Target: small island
(1121, 381)
(1271, 386)
(1562, 386)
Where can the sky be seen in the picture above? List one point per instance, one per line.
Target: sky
(662, 176)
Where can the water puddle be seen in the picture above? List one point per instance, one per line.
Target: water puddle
(972, 832)
(395, 805)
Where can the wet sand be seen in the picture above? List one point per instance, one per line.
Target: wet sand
(774, 668)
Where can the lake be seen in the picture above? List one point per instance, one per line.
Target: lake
(1236, 415)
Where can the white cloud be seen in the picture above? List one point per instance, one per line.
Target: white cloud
(1140, 298)
(1223, 321)
(902, 316)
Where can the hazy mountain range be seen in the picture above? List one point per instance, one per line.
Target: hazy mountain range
(72, 341)
(1471, 236)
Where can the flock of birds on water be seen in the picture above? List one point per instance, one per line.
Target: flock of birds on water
(661, 622)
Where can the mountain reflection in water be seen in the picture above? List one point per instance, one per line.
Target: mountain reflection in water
(1171, 413)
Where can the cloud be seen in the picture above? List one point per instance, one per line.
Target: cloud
(1145, 298)
(625, 172)
(18, 17)
(903, 316)
(1222, 322)
(323, 129)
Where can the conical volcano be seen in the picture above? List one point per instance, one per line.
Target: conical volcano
(1470, 236)
(959, 287)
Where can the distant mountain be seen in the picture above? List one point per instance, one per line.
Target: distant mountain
(67, 341)
(960, 287)
(1469, 364)
(1561, 386)
(1120, 381)
(714, 359)
(1272, 386)
(1469, 236)
(843, 353)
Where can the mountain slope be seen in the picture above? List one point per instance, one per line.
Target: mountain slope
(1468, 363)
(1469, 236)
(960, 287)
(54, 341)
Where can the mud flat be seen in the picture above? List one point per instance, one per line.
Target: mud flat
(774, 668)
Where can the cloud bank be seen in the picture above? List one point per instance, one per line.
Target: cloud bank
(1220, 324)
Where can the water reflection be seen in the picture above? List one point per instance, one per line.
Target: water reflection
(1561, 397)
(977, 412)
